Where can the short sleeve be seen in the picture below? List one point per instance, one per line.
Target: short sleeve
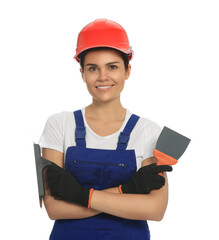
(52, 136)
(152, 132)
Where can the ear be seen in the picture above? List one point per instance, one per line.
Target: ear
(82, 74)
(128, 72)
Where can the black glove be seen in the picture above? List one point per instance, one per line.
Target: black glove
(63, 186)
(146, 179)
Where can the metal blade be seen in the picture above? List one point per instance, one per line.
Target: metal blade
(172, 143)
(41, 163)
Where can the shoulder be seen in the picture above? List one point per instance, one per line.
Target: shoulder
(60, 119)
(147, 126)
(150, 127)
(60, 116)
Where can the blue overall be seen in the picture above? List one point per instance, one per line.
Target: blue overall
(100, 169)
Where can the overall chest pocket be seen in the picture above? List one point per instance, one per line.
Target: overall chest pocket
(99, 175)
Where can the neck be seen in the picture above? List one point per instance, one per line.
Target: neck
(106, 111)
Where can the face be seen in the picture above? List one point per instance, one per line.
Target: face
(104, 74)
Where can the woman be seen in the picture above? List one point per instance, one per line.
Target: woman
(107, 184)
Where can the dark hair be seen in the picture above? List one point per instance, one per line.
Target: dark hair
(123, 55)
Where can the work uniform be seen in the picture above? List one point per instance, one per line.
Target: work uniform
(101, 169)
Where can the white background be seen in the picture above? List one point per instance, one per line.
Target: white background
(174, 78)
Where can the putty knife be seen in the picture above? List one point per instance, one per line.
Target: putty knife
(41, 163)
(170, 147)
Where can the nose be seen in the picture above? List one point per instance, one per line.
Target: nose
(102, 75)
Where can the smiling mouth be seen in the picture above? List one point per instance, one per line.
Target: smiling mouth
(104, 87)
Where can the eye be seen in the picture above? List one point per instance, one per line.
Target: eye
(92, 69)
(113, 67)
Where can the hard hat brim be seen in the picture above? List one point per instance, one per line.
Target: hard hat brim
(129, 52)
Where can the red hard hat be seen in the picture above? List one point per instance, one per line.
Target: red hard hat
(103, 33)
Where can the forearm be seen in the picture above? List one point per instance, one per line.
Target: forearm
(58, 209)
(112, 190)
(132, 206)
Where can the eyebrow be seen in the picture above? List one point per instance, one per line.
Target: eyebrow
(92, 64)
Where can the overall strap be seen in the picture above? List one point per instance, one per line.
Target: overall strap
(125, 135)
(80, 130)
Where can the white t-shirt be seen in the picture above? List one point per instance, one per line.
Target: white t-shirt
(59, 134)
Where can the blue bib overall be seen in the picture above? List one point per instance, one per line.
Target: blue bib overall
(100, 169)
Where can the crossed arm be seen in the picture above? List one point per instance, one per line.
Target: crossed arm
(131, 206)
